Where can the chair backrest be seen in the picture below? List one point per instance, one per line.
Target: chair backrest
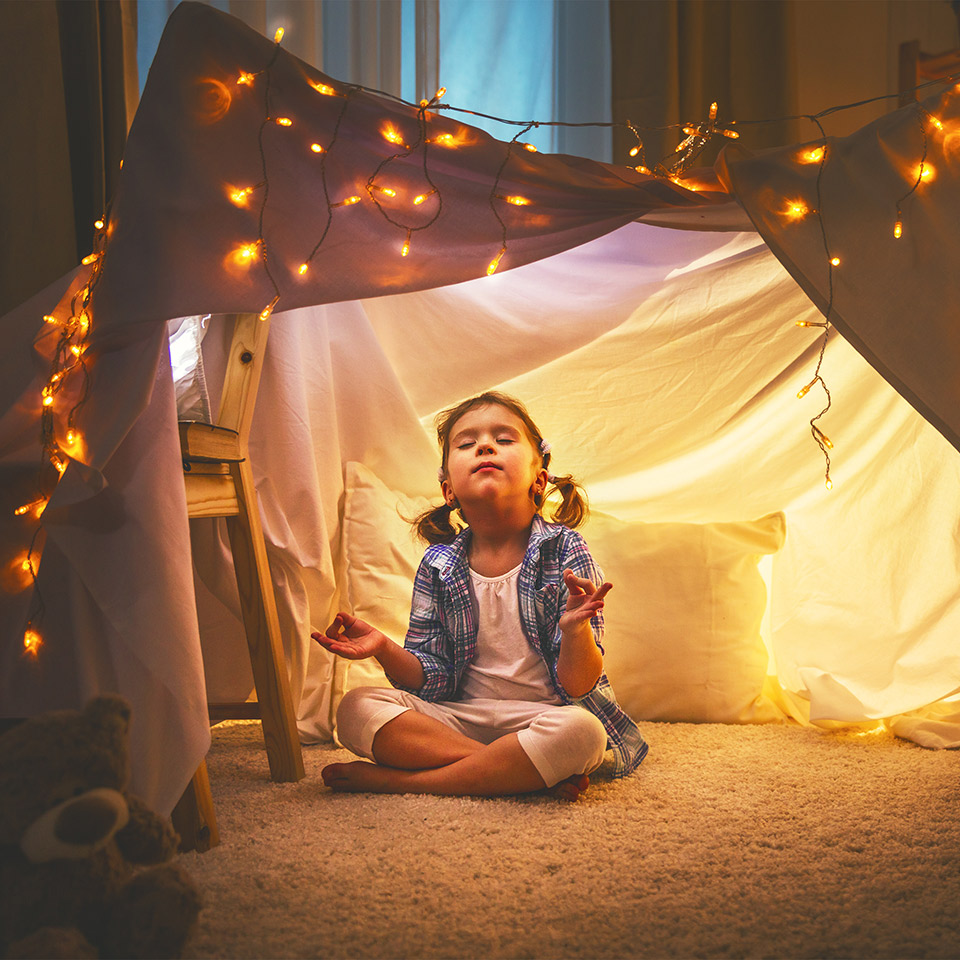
(242, 377)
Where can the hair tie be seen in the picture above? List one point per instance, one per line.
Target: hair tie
(551, 478)
(544, 447)
(440, 475)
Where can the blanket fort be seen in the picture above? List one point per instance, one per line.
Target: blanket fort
(663, 361)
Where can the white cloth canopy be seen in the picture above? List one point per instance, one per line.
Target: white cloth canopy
(663, 366)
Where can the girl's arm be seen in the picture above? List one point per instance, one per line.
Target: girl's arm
(355, 639)
(580, 663)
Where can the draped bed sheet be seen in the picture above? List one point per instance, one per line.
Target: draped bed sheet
(663, 364)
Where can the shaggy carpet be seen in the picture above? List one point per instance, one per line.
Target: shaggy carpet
(753, 841)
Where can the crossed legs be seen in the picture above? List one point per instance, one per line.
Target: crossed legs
(417, 753)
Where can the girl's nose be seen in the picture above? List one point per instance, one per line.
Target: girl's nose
(483, 448)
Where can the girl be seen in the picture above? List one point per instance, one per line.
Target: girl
(499, 688)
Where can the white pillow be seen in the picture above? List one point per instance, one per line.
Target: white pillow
(682, 621)
(381, 554)
(683, 618)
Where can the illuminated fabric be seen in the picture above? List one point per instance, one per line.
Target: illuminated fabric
(663, 365)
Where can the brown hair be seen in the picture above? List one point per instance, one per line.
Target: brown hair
(436, 525)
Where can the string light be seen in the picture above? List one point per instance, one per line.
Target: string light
(32, 641)
(316, 148)
(245, 78)
(495, 262)
(303, 269)
(405, 249)
(278, 36)
(805, 390)
(420, 198)
(529, 146)
(284, 122)
(323, 88)
(835, 261)
(898, 226)
(809, 323)
(516, 201)
(346, 203)
(268, 309)
(90, 258)
(386, 191)
(813, 155)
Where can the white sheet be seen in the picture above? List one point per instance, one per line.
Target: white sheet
(663, 366)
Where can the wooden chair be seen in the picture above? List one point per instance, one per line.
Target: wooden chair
(917, 67)
(219, 483)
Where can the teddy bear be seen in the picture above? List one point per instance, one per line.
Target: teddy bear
(72, 840)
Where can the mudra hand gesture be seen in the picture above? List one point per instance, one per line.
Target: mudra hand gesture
(584, 600)
(350, 637)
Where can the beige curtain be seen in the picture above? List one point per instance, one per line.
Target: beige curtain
(671, 58)
(68, 119)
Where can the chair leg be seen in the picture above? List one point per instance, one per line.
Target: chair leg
(194, 817)
(259, 608)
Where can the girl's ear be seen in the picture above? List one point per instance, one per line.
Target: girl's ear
(449, 497)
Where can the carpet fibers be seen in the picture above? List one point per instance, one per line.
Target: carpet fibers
(756, 841)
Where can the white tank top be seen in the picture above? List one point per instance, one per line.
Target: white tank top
(506, 667)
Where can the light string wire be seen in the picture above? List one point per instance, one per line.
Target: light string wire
(69, 354)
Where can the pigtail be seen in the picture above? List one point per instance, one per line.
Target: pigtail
(573, 508)
(435, 525)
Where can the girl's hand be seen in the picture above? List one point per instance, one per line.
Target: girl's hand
(584, 600)
(350, 638)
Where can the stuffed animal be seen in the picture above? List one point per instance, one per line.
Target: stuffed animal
(71, 838)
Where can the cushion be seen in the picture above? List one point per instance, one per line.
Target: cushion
(381, 554)
(683, 618)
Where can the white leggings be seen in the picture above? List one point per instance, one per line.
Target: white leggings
(561, 741)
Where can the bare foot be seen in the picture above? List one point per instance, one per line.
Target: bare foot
(358, 776)
(571, 788)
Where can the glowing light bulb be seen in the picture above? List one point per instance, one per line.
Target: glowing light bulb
(795, 210)
(323, 88)
(835, 261)
(20, 511)
(32, 641)
(346, 203)
(444, 139)
(71, 436)
(936, 122)
(386, 191)
(828, 483)
(516, 201)
(303, 269)
(814, 155)
(898, 229)
(76, 349)
(439, 93)
(47, 397)
(495, 262)
(278, 36)
(90, 258)
(316, 148)
(391, 135)
(420, 198)
(284, 122)
(643, 169)
(405, 249)
(241, 196)
(825, 440)
(529, 146)
(26, 566)
(84, 322)
(245, 78)
(634, 151)
(48, 319)
(803, 392)
(925, 171)
(98, 224)
(36, 507)
(248, 251)
(268, 309)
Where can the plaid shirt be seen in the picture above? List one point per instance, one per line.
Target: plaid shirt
(443, 628)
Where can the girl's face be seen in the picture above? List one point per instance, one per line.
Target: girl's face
(491, 459)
